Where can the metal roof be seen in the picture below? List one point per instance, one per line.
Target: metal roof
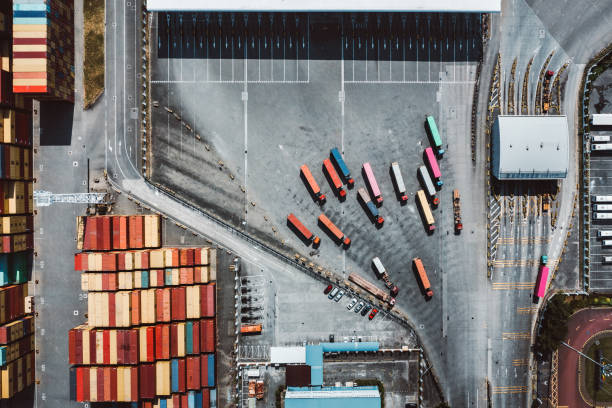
(287, 355)
(530, 147)
(324, 397)
(314, 358)
(350, 346)
(492, 6)
(602, 119)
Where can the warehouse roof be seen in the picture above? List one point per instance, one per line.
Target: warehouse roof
(530, 147)
(324, 397)
(602, 119)
(493, 6)
(287, 355)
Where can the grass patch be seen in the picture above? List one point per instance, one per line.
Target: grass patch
(93, 64)
(604, 394)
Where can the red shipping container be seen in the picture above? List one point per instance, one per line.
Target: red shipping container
(146, 374)
(181, 377)
(196, 337)
(160, 277)
(207, 300)
(118, 242)
(80, 262)
(113, 384)
(121, 261)
(80, 379)
(144, 259)
(205, 398)
(106, 346)
(159, 302)
(176, 401)
(150, 335)
(106, 233)
(174, 340)
(135, 312)
(159, 352)
(193, 373)
(178, 303)
(99, 373)
(72, 359)
(186, 276)
(133, 352)
(175, 256)
(135, 231)
(207, 336)
(109, 262)
(92, 346)
(107, 386)
(100, 233)
(204, 370)
(166, 341)
(105, 281)
(112, 313)
(186, 257)
(184, 400)
(113, 281)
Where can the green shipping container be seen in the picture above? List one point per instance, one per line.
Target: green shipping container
(189, 338)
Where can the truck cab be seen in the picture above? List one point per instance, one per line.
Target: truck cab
(544, 259)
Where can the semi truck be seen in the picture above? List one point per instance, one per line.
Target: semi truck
(601, 146)
(602, 216)
(602, 207)
(335, 179)
(341, 164)
(607, 259)
(607, 242)
(546, 90)
(373, 289)
(601, 199)
(428, 185)
(457, 210)
(436, 140)
(399, 181)
(604, 233)
(381, 273)
(429, 219)
(540, 287)
(600, 139)
(372, 210)
(331, 227)
(312, 184)
(250, 329)
(423, 279)
(371, 180)
(302, 231)
(433, 166)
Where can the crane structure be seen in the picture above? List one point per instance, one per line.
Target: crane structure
(46, 198)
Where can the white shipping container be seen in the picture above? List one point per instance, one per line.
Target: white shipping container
(607, 242)
(378, 266)
(604, 233)
(601, 198)
(602, 207)
(602, 216)
(399, 180)
(607, 259)
(253, 372)
(602, 119)
(601, 146)
(426, 179)
(600, 139)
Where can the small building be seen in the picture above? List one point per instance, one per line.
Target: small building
(297, 375)
(287, 355)
(530, 147)
(327, 397)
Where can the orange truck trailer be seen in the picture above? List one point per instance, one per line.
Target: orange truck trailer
(312, 184)
(334, 230)
(250, 329)
(335, 179)
(373, 289)
(423, 277)
(302, 231)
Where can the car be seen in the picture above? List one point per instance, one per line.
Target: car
(333, 293)
(358, 307)
(339, 296)
(373, 313)
(365, 310)
(328, 289)
(352, 303)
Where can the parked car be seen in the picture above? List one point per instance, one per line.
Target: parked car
(333, 293)
(339, 296)
(366, 309)
(358, 307)
(373, 313)
(328, 289)
(352, 303)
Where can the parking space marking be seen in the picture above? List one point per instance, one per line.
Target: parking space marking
(516, 336)
(513, 285)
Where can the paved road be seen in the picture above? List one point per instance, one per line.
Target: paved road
(582, 326)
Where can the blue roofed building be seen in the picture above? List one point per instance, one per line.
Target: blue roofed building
(328, 397)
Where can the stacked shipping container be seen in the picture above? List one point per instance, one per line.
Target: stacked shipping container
(151, 327)
(43, 48)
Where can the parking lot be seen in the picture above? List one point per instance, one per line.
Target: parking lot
(230, 134)
(600, 184)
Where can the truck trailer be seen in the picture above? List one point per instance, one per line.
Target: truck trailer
(399, 181)
(428, 216)
(341, 164)
(601, 199)
(372, 210)
(331, 227)
(371, 180)
(433, 166)
(302, 231)
(381, 273)
(335, 179)
(423, 279)
(373, 289)
(600, 139)
(312, 184)
(604, 233)
(457, 210)
(540, 287)
(428, 185)
(602, 216)
(602, 207)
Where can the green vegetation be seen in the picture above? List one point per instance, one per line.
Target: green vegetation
(605, 393)
(93, 64)
(374, 382)
(279, 396)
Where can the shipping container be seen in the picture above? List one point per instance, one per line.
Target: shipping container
(335, 231)
(604, 233)
(428, 185)
(334, 179)
(335, 155)
(422, 275)
(431, 161)
(426, 211)
(540, 287)
(399, 181)
(372, 184)
(602, 207)
(601, 147)
(432, 131)
(601, 198)
(304, 233)
(600, 139)
(602, 216)
(312, 184)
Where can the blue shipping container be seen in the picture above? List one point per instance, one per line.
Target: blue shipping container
(30, 20)
(189, 338)
(168, 276)
(191, 399)
(144, 279)
(175, 375)
(213, 398)
(163, 403)
(29, 7)
(29, 13)
(198, 399)
(211, 370)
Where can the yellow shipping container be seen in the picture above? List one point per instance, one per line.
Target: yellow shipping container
(162, 377)
(5, 57)
(84, 282)
(29, 48)
(212, 271)
(86, 334)
(121, 384)
(156, 258)
(20, 28)
(113, 347)
(8, 126)
(30, 82)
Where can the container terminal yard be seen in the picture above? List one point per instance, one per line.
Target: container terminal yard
(304, 204)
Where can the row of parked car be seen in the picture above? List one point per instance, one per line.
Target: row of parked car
(337, 293)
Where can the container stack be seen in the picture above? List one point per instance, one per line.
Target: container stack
(150, 336)
(43, 48)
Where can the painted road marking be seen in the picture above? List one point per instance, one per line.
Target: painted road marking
(512, 389)
(520, 362)
(511, 263)
(516, 336)
(526, 310)
(512, 285)
(525, 240)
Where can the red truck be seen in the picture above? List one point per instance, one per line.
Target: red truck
(312, 184)
(423, 277)
(335, 179)
(302, 231)
(346, 241)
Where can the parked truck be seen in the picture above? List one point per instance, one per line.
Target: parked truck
(372, 210)
(428, 185)
(331, 227)
(250, 329)
(302, 231)
(433, 166)
(457, 210)
(399, 181)
(546, 90)
(335, 179)
(371, 288)
(312, 184)
(381, 273)
(341, 164)
(423, 279)
(371, 180)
